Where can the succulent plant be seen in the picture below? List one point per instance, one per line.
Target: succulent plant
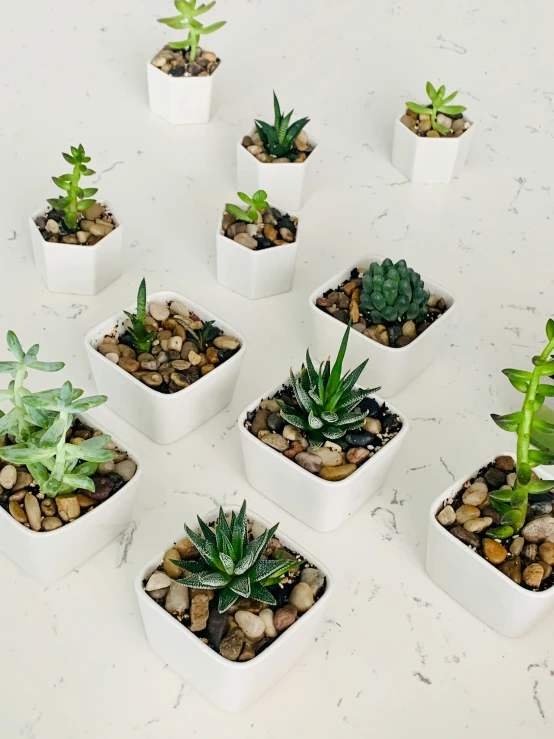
(512, 504)
(187, 21)
(141, 337)
(39, 422)
(326, 401)
(77, 198)
(201, 337)
(231, 564)
(392, 292)
(279, 139)
(439, 104)
(256, 204)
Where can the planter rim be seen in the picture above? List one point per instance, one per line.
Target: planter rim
(313, 141)
(177, 79)
(433, 138)
(120, 315)
(262, 251)
(154, 563)
(434, 508)
(332, 485)
(379, 258)
(102, 201)
(58, 532)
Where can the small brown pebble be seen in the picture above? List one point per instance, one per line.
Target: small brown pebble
(432, 134)
(533, 575)
(494, 551)
(466, 512)
(335, 474)
(516, 547)
(546, 552)
(505, 463)
(285, 617)
(357, 455)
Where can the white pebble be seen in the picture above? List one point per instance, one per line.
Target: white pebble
(113, 357)
(175, 344)
(8, 476)
(159, 311)
(158, 581)
(267, 617)
(179, 309)
(252, 625)
(302, 597)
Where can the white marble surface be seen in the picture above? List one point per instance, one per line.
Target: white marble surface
(397, 657)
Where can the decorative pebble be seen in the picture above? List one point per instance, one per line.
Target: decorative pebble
(505, 463)
(530, 552)
(328, 457)
(276, 441)
(17, 512)
(158, 581)
(477, 525)
(466, 512)
(495, 478)
(512, 568)
(252, 625)
(231, 646)
(285, 617)
(533, 575)
(546, 552)
(177, 601)
(68, 507)
(266, 615)
(302, 597)
(51, 523)
(8, 476)
(314, 578)
(357, 455)
(494, 551)
(447, 516)
(476, 494)
(335, 474)
(516, 547)
(199, 611)
(466, 536)
(171, 569)
(310, 462)
(245, 239)
(226, 342)
(291, 432)
(159, 311)
(539, 529)
(372, 425)
(126, 469)
(32, 509)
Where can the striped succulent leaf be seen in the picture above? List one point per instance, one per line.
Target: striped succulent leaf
(279, 139)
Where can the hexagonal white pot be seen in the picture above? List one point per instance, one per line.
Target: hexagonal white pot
(390, 368)
(163, 418)
(77, 269)
(429, 160)
(49, 555)
(180, 100)
(288, 185)
(476, 584)
(232, 686)
(321, 504)
(252, 273)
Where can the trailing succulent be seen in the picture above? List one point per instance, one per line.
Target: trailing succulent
(326, 401)
(141, 337)
(256, 204)
(231, 564)
(39, 423)
(279, 139)
(439, 104)
(77, 198)
(393, 292)
(187, 21)
(512, 504)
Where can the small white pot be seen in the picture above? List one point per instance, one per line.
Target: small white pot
(164, 418)
(288, 185)
(180, 100)
(252, 273)
(49, 555)
(231, 686)
(78, 269)
(429, 160)
(321, 504)
(390, 368)
(475, 583)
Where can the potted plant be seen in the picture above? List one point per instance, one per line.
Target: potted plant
(66, 488)
(231, 608)
(277, 158)
(319, 446)
(77, 241)
(181, 76)
(256, 248)
(491, 534)
(400, 319)
(165, 369)
(417, 154)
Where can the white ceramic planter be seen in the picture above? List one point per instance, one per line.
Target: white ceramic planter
(429, 160)
(319, 503)
(163, 418)
(477, 585)
(288, 185)
(180, 100)
(49, 555)
(389, 368)
(255, 274)
(231, 686)
(77, 269)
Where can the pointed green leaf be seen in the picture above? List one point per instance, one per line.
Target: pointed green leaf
(207, 532)
(508, 422)
(227, 598)
(540, 486)
(241, 585)
(239, 532)
(191, 565)
(543, 427)
(14, 346)
(259, 593)
(420, 109)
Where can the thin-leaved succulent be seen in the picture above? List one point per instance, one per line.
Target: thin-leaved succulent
(77, 198)
(512, 504)
(256, 204)
(39, 423)
(141, 337)
(187, 21)
(327, 402)
(201, 337)
(279, 139)
(231, 564)
(393, 292)
(439, 104)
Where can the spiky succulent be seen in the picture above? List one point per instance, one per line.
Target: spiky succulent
(393, 292)
(279, 139)
(141, 337)
(439, 104)
(326, 400)
(200, 337)
(231, 564)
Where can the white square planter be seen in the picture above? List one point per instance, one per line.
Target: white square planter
(77, 269)
(476, 584)
(288, 185)
(252, 273)
(429, 160)
(231, 686)
(321, 504)
(49, 555)
(163, 418)
(180, 100)
(390, 368)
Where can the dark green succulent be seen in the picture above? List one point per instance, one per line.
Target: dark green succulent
(203, 336)
(393, 292)
(231, 564)
(326, 401)
(279, 139)
(141, 337)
